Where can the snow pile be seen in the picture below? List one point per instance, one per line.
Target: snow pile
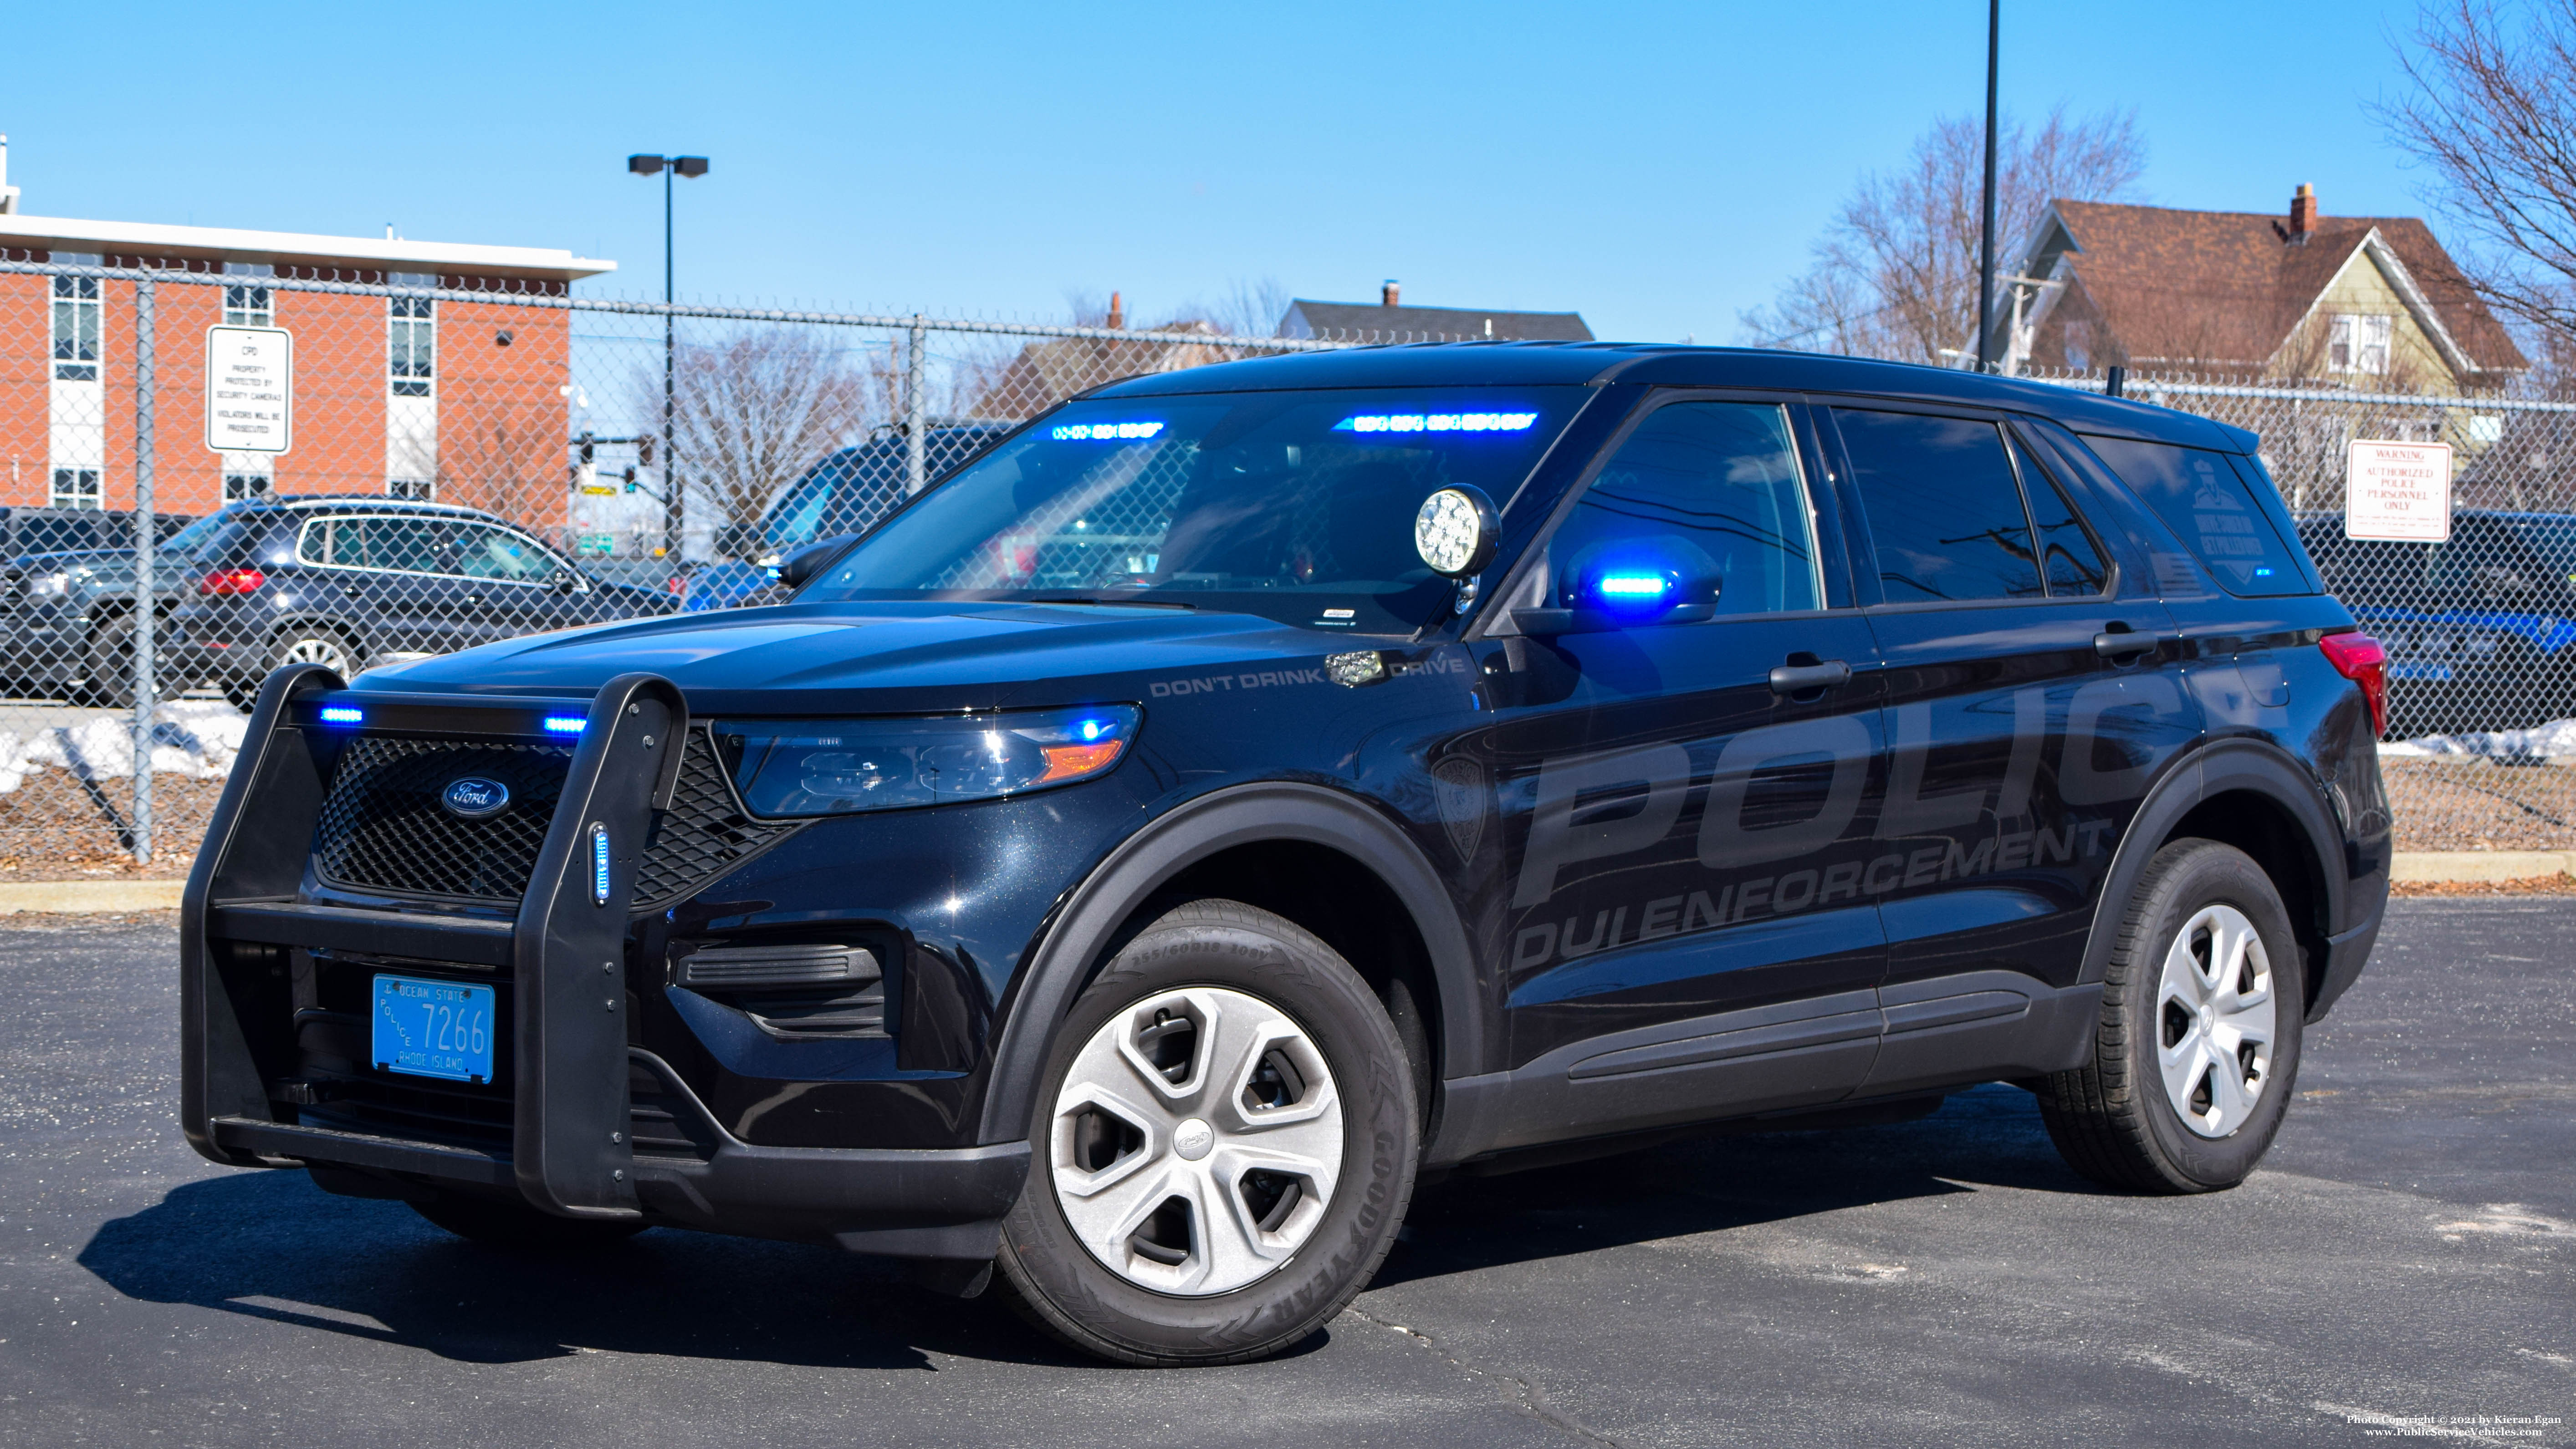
(2558, 737)
(193, 738)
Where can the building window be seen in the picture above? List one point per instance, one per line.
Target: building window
(243, 484)
(247, 305)
(76, 319)
(2358, 342)
(411, 341)
(76, 488)
(420, 488)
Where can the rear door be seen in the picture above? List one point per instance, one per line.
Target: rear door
(377, 577)
(2031, 698)
(1688, 805)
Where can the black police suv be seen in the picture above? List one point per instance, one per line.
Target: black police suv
(342, 581)
(1125, 870)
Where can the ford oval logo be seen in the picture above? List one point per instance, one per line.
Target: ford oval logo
(475, 798)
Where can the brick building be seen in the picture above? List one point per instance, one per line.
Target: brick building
(449, 397)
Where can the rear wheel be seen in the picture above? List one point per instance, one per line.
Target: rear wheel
(517, 1225)
(313, 644)
(107, 670)
(1223, 1150)
(2197, 1048)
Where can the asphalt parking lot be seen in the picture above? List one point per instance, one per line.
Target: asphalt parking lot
(2408, 1251)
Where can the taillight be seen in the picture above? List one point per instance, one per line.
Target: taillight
(2359, 658)
(232, 581)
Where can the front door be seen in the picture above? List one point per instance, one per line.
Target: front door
(1688, 800)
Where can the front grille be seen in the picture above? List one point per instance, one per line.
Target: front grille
(704, 832)
(382, 826)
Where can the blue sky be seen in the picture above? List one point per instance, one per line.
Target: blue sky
(1658, 167)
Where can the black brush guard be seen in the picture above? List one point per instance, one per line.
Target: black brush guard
(571, 1150)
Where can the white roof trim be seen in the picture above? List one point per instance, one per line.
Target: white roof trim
(54, 233)
(2417, 303)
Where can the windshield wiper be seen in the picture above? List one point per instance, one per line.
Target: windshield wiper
(1127, 602)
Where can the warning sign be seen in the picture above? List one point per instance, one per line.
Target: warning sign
(250, 389)
(2399, 491)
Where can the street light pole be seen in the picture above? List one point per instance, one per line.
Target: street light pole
(1986, 244)
(674, 519)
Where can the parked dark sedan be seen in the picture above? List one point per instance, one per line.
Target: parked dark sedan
(345, 582)
(2480, 629)
(69, 598)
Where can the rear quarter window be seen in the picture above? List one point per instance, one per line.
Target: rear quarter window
(2202, 496)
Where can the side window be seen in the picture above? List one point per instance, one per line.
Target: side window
(406, 544)
(2070, 560)
(1711, 491)
(492, 553)
(2199, 495)
(1945, 515)
(315, 545)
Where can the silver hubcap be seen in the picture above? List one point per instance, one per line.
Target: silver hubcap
(1196, 1141)
(2214, 1021)
(313, 649)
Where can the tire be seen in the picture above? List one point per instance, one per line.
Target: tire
(2191, 1070)
(312, 644)
(518, 1226)
(107, 668)
(1255, 1016)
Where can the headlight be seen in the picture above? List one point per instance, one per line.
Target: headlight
(49, 586)
(837, 767)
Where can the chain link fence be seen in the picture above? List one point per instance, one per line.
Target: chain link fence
(456, 462)
(2480, 629)
(453, 461)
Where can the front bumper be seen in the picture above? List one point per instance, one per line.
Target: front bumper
(581, 1121)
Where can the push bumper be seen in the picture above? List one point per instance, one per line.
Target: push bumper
(559, 963)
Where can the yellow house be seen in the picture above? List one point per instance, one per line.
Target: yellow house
(2369, 304)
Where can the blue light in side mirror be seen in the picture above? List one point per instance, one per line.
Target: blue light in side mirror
(1633, 588)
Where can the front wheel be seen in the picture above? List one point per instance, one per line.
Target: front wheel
(1224, 1146)
(2197, 1048)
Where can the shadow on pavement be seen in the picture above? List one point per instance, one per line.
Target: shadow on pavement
(1989, 1136)
(270, 1245)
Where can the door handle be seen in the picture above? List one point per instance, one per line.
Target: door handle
(1799, 678)
(2120, 639)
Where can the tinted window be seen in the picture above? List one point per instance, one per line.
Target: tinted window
(492, 553)
(1712, 489)
(57, 534)
(2199, 495)
(409, 544)
(1945, 515)
(2069, 558)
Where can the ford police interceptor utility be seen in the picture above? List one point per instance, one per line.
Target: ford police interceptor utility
(1124, 872)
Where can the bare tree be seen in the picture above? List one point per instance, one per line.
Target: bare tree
(754, 411)
(2492, 110)
(1895, 274)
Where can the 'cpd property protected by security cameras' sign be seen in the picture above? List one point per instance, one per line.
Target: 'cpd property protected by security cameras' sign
(2399, 491)
(250, 389)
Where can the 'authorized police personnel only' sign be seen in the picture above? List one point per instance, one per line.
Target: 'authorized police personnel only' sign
(250, 389)
(2398, 491)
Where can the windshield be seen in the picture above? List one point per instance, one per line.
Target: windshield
(1297, 506)
(186, 542)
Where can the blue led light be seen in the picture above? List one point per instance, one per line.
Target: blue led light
(1092, 729)
(564, 724)
(1104, 432)
(343, 714)
(599, 865)
(1436, 423)
(1632, 588)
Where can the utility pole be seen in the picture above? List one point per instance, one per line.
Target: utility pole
(1986, 244)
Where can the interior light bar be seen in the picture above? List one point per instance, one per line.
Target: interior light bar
(1436, 423)
(1104, 432)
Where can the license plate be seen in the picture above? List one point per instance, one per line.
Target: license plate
(434, 1028)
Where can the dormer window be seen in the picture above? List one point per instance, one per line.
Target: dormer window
(2358, 342)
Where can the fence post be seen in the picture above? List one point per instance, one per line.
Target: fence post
(146, 346)
(916, 447)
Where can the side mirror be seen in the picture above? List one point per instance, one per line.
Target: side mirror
(795, 569)
(1456, 531)
(1624, 598)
